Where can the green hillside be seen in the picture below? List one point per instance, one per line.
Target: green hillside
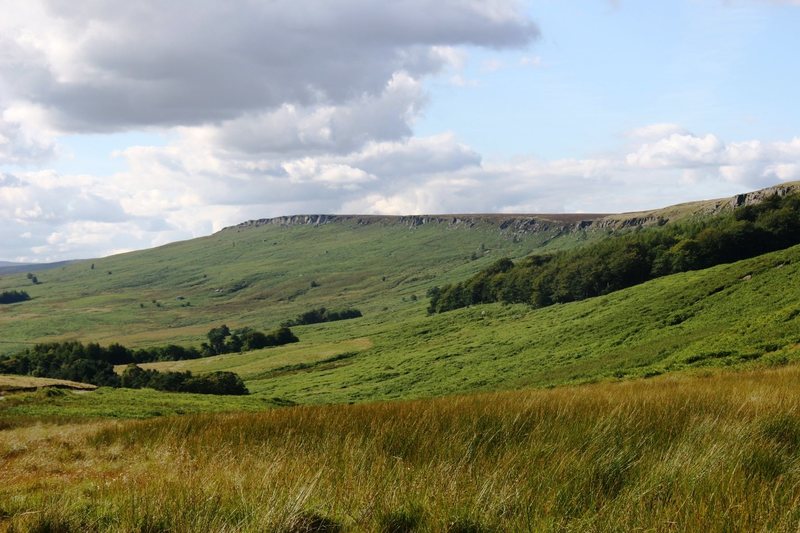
(654, 434)
(732, 314)
(257, 276)
(741, 314)
(261, 274)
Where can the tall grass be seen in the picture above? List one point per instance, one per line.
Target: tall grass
(719, 452)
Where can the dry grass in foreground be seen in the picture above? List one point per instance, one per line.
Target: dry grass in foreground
(713, 453)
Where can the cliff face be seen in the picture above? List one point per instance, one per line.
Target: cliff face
(756, 197)
(688, 210)
(512, 224)
(526, 224)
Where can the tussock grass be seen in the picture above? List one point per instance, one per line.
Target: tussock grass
(712, 452)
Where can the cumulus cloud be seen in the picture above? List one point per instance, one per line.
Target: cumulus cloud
(325, 128)
(190, 187)
(748, 163)
(48, 217)
(677, 150)
(272, 107)
(276, 108)
(105, 66)
(438, 173)
(21, 144)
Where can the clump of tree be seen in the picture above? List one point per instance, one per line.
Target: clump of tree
(94, 364)
(11, 297)
(627, 260)
(114, 354)
(225, 383)
(222, 340)
(63, 360)
(317, 316)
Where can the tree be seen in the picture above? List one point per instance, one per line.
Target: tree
(216, 339)
(216, 383)
(134, 377)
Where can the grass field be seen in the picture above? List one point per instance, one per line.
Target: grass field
(710, 440)
(713, 451)
(745, 314)
(255, 277)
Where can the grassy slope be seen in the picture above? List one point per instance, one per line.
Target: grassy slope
(696, 319)
(714, 453)
(687, 321)
(15, 383)
(253, 276)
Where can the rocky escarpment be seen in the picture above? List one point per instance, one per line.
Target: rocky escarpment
(513, 224)
(535, 223)
(691, 209)
(756, 197)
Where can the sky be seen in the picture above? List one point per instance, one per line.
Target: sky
(130, 125)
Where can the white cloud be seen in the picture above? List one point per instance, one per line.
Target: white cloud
(677, 150)
(22, 142)
(287, 107)
(106, 66)
(192, 187)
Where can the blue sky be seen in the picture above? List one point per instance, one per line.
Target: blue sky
(146, 126)
(727, 68)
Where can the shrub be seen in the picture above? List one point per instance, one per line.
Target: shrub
(320, 315)
(11, 297)
(223, 383)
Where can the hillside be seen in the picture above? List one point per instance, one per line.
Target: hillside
(262, 272)
(716, 452)
(737, 315)
(467, 442)
(255, 276)
(722, 316)
(15, 384)
(8, 267)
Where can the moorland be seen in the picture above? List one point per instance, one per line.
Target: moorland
(665, 401)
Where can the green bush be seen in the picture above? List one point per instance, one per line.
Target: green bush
(224, 383)
(11, 297)
(320, 315)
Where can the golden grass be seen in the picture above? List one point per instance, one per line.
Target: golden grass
(715, 452)
(16, 383)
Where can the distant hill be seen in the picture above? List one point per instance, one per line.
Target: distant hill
(8, 267)
(531, 223)
(261, 273)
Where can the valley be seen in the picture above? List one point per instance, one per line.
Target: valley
(627, 401)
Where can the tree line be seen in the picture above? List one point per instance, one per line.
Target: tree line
(227, 383)
(629, 259)
(94, 364)
(317, 316)
(222, 340)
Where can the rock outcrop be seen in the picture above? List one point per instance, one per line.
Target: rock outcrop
(527, 224)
